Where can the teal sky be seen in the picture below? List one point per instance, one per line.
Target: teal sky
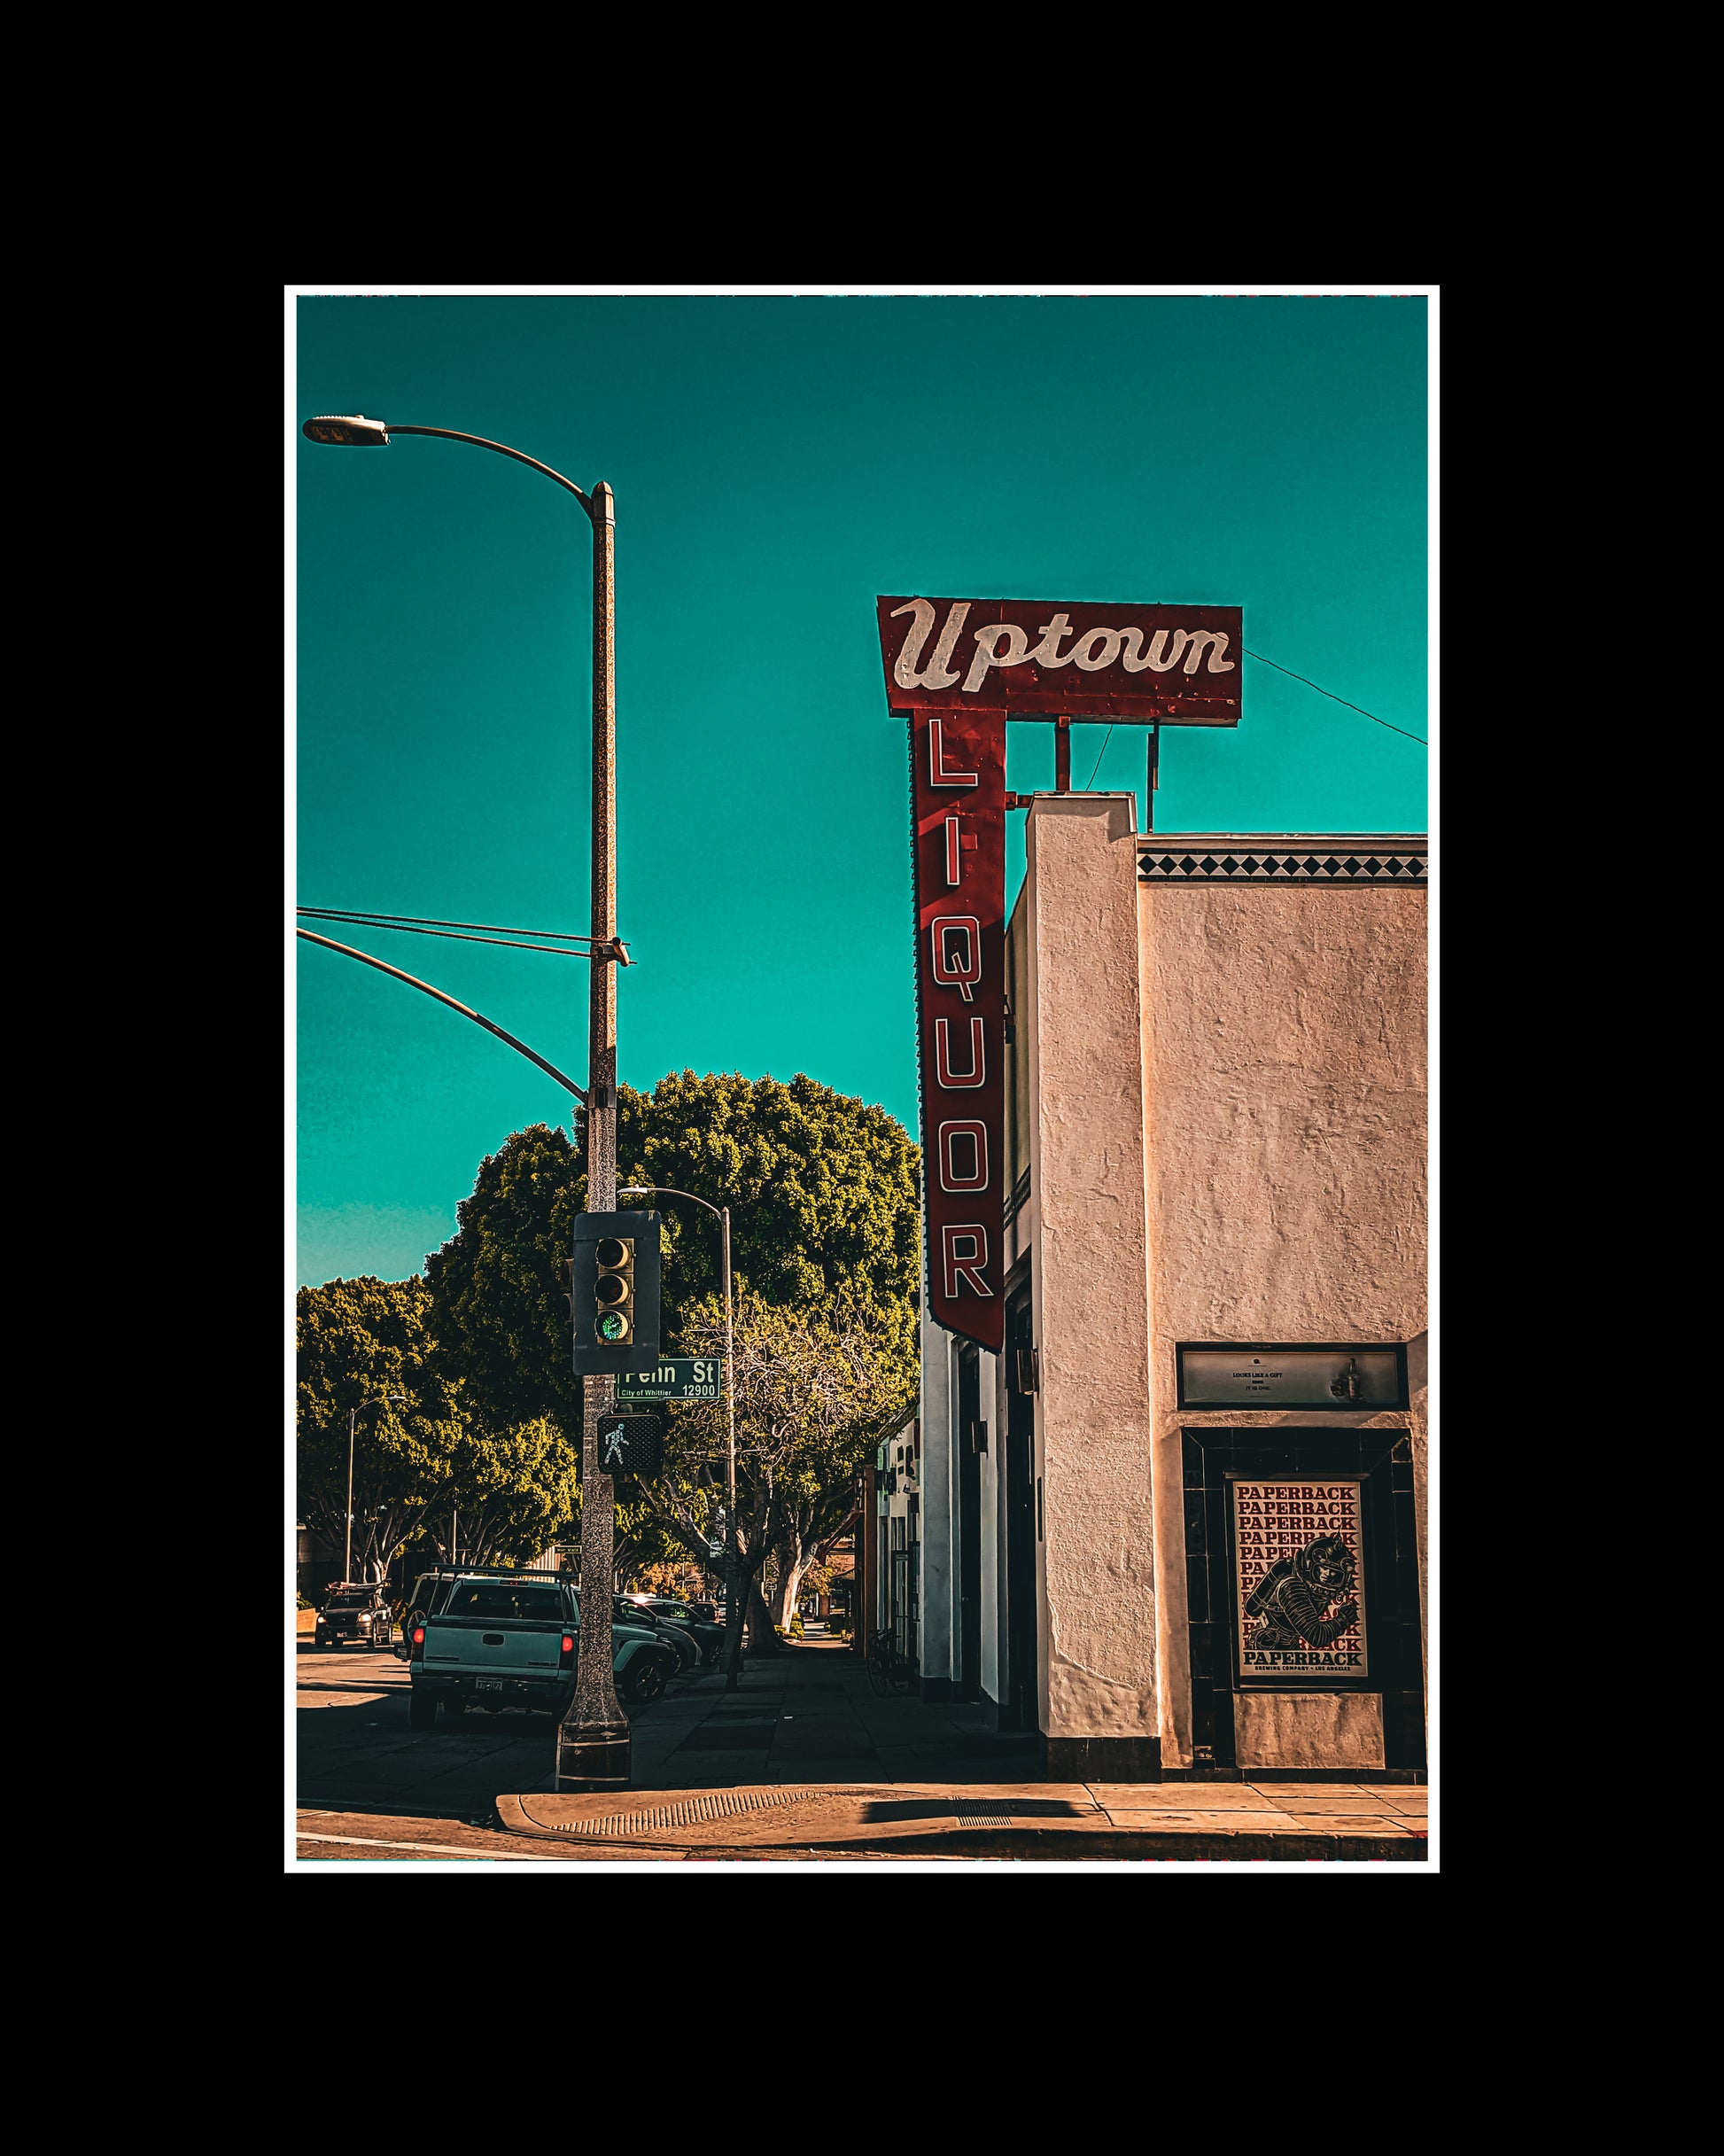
(777, 463)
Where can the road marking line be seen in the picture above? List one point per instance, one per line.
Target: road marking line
(435, 1848)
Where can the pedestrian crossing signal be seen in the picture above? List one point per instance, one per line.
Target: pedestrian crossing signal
(631, 1444)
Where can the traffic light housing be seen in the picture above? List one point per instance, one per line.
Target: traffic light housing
(614, 1298)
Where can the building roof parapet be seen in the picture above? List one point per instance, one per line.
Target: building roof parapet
(1283, 857)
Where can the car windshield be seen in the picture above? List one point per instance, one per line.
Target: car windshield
(353, 1600)
(498, 1599)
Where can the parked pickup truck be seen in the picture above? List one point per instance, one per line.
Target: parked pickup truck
(499, 1640)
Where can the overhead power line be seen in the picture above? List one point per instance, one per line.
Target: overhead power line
(1333, 698)
(466, 931)
(429, 921)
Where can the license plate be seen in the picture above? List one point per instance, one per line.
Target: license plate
(487, 1683)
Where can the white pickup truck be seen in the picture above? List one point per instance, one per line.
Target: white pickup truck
(498, 1640)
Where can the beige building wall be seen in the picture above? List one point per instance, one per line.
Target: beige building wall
(1284, 1085)
(1226, 1118)
(1094, 1428)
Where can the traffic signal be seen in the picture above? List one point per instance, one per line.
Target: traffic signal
(615, 1301)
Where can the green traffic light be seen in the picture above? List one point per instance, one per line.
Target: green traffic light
(610, 1326)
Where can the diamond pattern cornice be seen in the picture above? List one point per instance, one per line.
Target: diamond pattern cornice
(1290, 857)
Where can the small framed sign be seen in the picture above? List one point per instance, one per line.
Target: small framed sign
(1351, 1376)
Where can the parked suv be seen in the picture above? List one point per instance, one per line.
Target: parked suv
(354, 1613)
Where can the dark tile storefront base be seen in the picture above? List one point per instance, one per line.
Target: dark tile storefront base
(1101, 1759)
(1411, 1777)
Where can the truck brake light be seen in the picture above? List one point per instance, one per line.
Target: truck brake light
(418, 1635)
(568, 1643)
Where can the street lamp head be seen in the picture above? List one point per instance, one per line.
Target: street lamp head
(354, 431)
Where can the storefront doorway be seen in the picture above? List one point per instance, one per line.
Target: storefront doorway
(1301, 1569)
(1017, 1465)
(971, 1431)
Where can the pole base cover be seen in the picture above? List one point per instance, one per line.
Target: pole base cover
(593, 1755)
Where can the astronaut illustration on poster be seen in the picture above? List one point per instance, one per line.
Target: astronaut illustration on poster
(1299, 1580)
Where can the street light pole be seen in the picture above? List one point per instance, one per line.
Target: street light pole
(730, 1370)
(593, 1743)
(665, 1190)
(347, 1552)
(353, 1416)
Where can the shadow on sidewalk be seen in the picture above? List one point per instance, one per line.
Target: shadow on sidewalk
(808, 1715)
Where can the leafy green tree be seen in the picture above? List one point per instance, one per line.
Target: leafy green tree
(821, 1189)
(359, 1341)
(498, 1288)
(823, 1199)
(511, 1493)
(422, 1464)
(815, 1391)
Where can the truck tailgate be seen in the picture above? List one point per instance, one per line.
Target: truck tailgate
(473, 1647)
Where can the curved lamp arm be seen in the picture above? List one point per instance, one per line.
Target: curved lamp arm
(424, 988)
(356, 431)
(669, 1190)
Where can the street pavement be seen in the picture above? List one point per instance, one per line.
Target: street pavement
(803, 1762)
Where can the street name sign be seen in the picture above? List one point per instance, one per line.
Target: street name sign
(673, 1377)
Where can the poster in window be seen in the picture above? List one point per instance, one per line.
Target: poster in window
(1298, 1552)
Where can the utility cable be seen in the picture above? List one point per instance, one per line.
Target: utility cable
(430, 920)
(1100, 753)
(411, 928)
(1332, 698)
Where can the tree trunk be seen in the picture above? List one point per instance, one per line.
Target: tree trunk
(733, 1578)
(762, 1638)
(795, 1549)
(790, 1570)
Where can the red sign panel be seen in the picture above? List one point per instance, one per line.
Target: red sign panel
(957, 788)
(1177, 666)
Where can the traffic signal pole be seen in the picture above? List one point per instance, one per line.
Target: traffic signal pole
(593, 1744)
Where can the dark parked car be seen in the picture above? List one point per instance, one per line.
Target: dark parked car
(683, 1643)
(354, 1615)
(707, 1636)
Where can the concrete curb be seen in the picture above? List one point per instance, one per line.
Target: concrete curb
(971, 1822)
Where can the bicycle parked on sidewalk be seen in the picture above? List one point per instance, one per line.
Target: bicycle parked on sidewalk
(887, 1669)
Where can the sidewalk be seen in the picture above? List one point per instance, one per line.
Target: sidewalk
(805, 1757)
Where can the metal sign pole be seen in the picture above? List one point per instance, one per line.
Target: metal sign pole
(592, 1749)
(731, 1677)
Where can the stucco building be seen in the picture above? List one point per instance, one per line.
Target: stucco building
(1178, 1526)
